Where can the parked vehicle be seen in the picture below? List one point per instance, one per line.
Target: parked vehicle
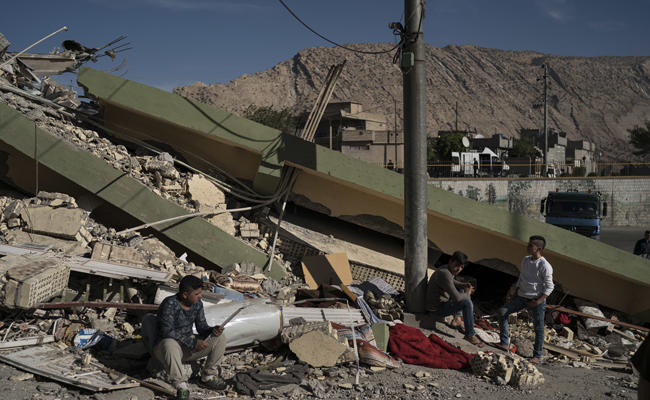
(576, 211)
(486, 162)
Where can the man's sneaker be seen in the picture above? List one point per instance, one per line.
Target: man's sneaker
(213, 382)
(182, 394)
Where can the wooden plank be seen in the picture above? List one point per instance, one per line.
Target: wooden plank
(581, 314)
(30, 341)
(53, 363)
(330, 269)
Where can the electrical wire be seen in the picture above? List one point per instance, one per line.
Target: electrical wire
(333, 42)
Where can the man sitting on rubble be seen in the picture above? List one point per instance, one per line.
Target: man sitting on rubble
(447, 296)
(177, 343)
(535, 284)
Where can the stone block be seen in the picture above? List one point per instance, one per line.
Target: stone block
(290, 333)
(34, 281)
(58, 222)
(567, 332)
(118, 254)
(249, 230)
(69, 247)
(206, 193)
(224, 222)
(317, 349)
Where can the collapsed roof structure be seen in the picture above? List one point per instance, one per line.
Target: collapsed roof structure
(349, 189)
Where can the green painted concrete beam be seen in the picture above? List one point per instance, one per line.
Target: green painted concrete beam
(120, 190)
(192, 115)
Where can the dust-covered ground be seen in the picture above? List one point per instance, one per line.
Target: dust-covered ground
(562, 382)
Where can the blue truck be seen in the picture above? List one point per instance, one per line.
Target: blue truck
(578, 212)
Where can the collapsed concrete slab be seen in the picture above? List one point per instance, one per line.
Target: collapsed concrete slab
(317, 349)
(63, 168)
(60, 222)
(337, 185)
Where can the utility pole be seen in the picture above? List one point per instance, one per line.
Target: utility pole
(545, 119)
(395, 127)
(415, 157)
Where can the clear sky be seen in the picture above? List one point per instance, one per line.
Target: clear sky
(177, 42)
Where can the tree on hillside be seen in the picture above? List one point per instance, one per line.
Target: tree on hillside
(522, 148)
(640, 138)
(445, 144)
(283, 120)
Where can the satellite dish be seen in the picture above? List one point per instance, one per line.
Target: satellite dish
(465, 141)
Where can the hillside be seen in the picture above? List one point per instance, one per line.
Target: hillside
(596, 98)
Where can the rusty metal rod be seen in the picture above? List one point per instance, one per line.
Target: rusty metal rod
(613, 321)
(98, 304)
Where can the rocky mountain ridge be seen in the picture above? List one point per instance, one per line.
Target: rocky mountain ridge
(594, 98)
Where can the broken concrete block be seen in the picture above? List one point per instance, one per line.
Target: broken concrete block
(249, 230)
(506, 369)
(118, 254)
(83, 236)
(12, 210)
(206, 193)
(162, 164)
(14, 222)
(317, 349)
(567, 333)
(290, 333)
(56, 199)
(32, 280)
(58, 222)
(127, 328)
(69, 247)
(224, 222)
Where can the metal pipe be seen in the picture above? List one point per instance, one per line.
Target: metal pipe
(415, 158)
(65, 28)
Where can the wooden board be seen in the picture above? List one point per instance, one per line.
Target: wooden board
(329, 269)
(61, 365)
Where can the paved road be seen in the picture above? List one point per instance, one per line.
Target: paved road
(621, 237)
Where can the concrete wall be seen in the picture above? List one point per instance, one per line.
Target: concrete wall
(628, 199)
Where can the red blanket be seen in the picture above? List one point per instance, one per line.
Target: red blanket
(411, 346)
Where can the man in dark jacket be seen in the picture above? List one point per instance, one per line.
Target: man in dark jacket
(176, 316)
(447, 296)
(642, 246)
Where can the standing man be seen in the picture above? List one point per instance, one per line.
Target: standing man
(447, 296)
(535, 284)
(475, 168)
(642, 246)
(176, 316)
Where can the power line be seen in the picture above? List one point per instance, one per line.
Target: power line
(333, 42)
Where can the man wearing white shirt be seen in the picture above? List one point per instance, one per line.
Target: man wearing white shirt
(535, 284)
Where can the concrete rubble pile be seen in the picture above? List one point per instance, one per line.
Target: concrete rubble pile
(579, 341)
(506, 369)
(78, 288)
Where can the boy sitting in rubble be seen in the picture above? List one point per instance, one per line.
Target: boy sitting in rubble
(177, 344)
(535, 284)
(447, 296)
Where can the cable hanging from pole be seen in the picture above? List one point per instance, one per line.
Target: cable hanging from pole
(333, 42)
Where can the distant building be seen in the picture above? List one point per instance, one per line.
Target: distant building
(347, 128)
(557, 144)
(581, 153)
(498, 143)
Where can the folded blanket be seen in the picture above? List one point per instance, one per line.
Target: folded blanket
(411, 346)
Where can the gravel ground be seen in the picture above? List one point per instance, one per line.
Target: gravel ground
(562, 382)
